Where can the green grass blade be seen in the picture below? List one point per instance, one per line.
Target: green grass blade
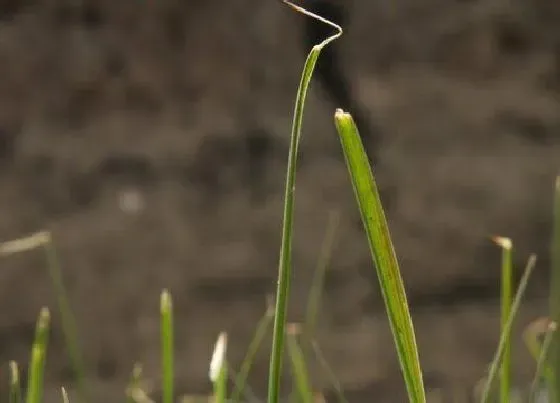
(315, 294)
(15, 386)
(300, 373)
(541, 362)
(218, 369)
(383, 254)
(260, 333)
(505, 334)
(43, 239)
(166, 311)
(38, 358)
(284, 269)
(67, 319)
(506, 296)
(554, 385)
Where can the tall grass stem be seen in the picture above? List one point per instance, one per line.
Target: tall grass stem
(284, 269)
(504, 337)
(506, 296)
(166, 312)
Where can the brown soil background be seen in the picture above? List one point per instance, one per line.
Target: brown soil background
(151, 137)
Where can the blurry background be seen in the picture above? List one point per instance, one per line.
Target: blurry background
(151, 137)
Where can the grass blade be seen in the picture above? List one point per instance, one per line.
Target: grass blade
(541, 362)
(299, 368)
(134, 384)
(64, 395)
(218, 369)
(15, 386)
(504, 337)
(68, 322)
(383, 254)
(166, 310)
(284, 269)
(262, 329)
(44, 239)
(554, 385)
(506, 295)
(531, 336)
(38, 358)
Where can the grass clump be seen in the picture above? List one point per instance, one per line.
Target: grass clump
(286, 336)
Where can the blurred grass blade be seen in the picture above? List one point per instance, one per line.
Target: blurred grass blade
(504, 337)
(15, 386)
(383, 254)
(554, 385)
(134, 384)
(330, 373)
(166, 311)
(64, 395)
(218, 369)
(541, 363)
(38, 358)
(531, 336)
(300, 373)
(506, 296)
(68, 322)
(44, 239)
(260, 333)
(25, 244)
(284, 269)
(318, 278)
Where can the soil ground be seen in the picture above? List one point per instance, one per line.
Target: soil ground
(151, 138)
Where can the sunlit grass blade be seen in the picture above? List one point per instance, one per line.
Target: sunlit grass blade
(166, 311)
(260, 333)
(218, 369)
(15, 386)
(554, 384)
(64, 395)
(23, 244)
(383, 254)
(315, 294)
(541, 362)
(38, 358)
(504, 336)
(284, 269)
(506, 296)
(328, 370)
(300, 373)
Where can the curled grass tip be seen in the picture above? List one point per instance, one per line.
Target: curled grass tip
(503, 242)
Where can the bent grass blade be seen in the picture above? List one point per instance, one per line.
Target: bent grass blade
(284, 269)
